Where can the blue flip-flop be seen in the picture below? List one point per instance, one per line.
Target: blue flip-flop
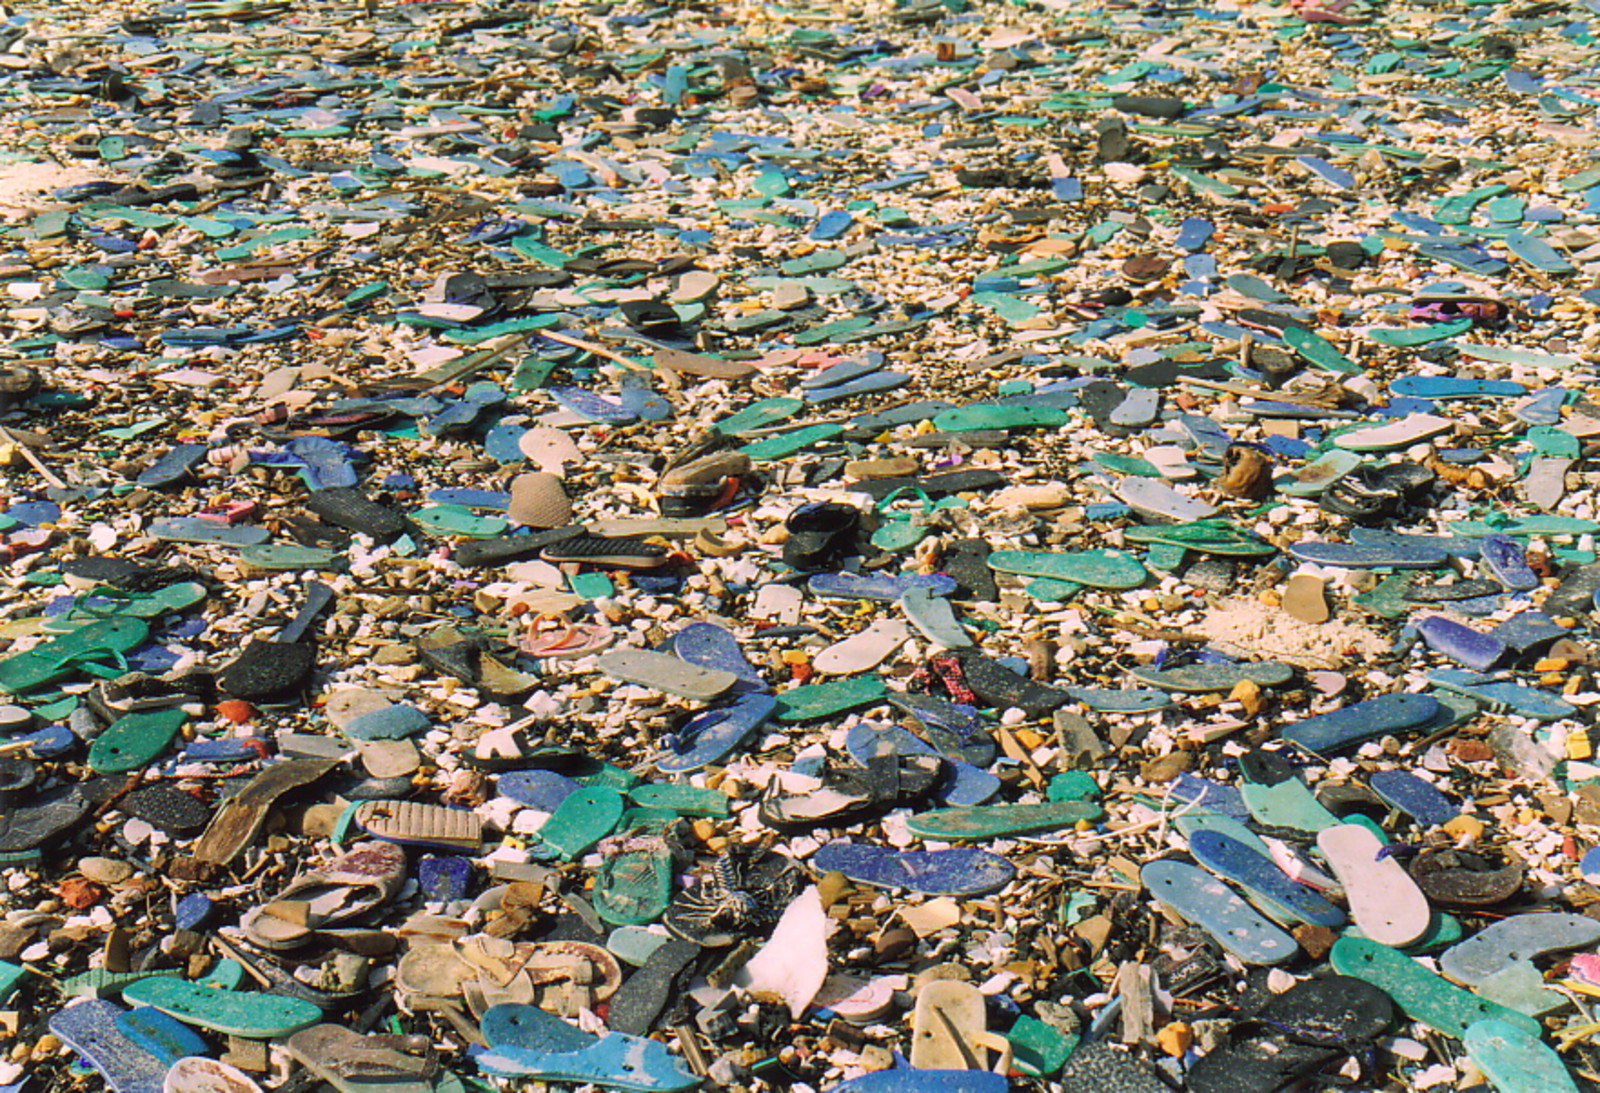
(526, 1042)
(710, 646)
(881, 587)
(714, 734)
(958, 871)
(90, 1029)
(591, 407)
(963, 785)
(173, 467)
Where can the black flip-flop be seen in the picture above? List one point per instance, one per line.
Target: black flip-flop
(820, 534)
(126, 574)
(348, 508)
(851, 794)
(619, 552)
(47, 815)
(505, 549)
(934, 485)
(966, 561)
(998, 686)
(1295, 1034)
(277, 669)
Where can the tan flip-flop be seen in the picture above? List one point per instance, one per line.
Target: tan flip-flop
(566, 640)
(538, 500)
(549, 449)
(950, 1030)
(352, 885)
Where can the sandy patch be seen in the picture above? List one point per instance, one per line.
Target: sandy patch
(25, 187)
(1272, 633)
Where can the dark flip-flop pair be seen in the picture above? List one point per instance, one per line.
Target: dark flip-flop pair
(1371, 493)
(1296, 1034)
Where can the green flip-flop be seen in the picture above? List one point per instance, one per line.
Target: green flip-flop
(113, 603)
(97, 648)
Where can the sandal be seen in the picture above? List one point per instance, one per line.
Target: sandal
(904, 530)
(1294, 1035)
(473, 658)
(566, 641)
(84, 649)
(851, 794)
(352, 885)
(820, 534)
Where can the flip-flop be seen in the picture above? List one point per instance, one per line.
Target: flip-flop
(1384, 901)
(714, 734)
(1094, 568)
(83, 649)
(633, 885)
(935, 619)
(291, 558)
(959, 871)
(1260, 877)
(815, 701)
(1279, 799)
(1329, 733)
(239, 821)
(710, 646)
(664, 672)
(1516, 939)
(863, 650)
(1400, 789)
(477, 659)
(1515, 1060)
(1528, 701)
(354, 884)
(1461, 643)
(949, 1029)
(455, 521)
(566, 641)
(270, 670)
(1293, 1035)
(849, 794)
(645, 993)
(90, 1029)
(1156, 500)
(1319, 474)
(1202, 678)
(167, 1038)
(981, 416)
(238, 1013)
(1107, 700)
(1409, 430)
(505, 549)
(1369, 555)
(134, 741)
(759, 415)
(411, 823)
(353, 1063)
(963, 784)
(526, 1042)
(995, 685)
(109, 603)
(173, 466)
(190, 529)
(1204, 537)
(1000, 821)
(1215, 908)
(1420, 994)
(197, 1074)
(583, 818)
(348, 508)
(952, 728)
(883, 588)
